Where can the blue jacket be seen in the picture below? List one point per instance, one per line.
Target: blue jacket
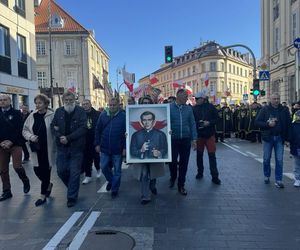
(110, 133)
(295, 138)
(183, 124)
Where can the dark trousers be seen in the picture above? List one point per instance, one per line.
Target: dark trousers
(44, 176)
(255, 136)
(181, 148)
(221, 136)
(210, 145)
(15, 152)
(90, 156)
(25, 152)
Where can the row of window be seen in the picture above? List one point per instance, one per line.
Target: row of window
(19, 6)
(96, 55)
(5, 53)
(43, 81)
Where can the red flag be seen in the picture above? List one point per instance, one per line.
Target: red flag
(206, 80)
(128, 79)
(177, 85)
(129, 85)
(153, 79)
(189, 90)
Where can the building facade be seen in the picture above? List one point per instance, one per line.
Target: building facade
(79, 63)
(279, 28)
(225, 73)
(17, 52)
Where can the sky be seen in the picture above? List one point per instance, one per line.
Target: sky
(134, 32)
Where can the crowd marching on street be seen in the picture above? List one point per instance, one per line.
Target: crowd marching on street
(76, 137)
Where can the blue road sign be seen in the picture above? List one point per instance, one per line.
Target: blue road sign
(264, 75)
(297, 43)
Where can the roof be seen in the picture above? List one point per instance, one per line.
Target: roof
(42, 18)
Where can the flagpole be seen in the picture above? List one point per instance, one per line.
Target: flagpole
(50, 53)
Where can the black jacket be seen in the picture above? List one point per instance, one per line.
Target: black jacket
(295, 138)
(284, 120)
(205, 112)
(92, 118)
(11, 126)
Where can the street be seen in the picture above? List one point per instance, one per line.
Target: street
(241, 213)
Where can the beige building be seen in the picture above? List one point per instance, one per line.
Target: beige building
(17, 51)
(229, 73)
(79, 63)
(279, 28)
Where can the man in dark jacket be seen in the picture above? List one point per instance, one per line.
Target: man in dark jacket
(90, 155)
(110, 141)
(274, 122)
(11, 141)
(69, 126)
(206, 116)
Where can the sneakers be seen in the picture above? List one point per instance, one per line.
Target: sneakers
(216, 180)
(279, 184)
(26, 187)
(108, 186)
(182, 191)
(297, 183)
(6, 195)
(71, 202)
(267, 180)
(87, 180)
(98, 175)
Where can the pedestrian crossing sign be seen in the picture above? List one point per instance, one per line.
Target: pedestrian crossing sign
(264, 75)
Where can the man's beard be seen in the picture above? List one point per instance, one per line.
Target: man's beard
(69, 108)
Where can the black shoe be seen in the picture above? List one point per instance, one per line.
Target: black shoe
(145, 202)
(108, 186)
(199, 176)
(71, 203)
(216, 180)
(5, 196)
(49, 189)
(154, 191)
(172, 183)
(114, 194)
(40, 202)
(26, 187)
(182, 191)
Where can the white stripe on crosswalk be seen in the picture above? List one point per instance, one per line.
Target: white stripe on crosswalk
(236, 146)
(252, 154)
(289, 175)
(235, 149)
(56, 239)
(81, 235)
(103, 188)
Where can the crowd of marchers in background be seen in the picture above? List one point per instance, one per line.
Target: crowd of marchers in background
(74, 138)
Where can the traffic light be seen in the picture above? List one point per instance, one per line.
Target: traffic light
(168, 54)
(256, 90)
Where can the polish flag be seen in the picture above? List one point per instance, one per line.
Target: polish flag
(178, 84)
(153, 79)
(129, 79)
(206, 80)
(189, 90)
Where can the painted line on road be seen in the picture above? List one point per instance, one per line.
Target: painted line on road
(56, 239)
(103, 188)
(236, 146)
(81, 235)
(250, 153)
(289, 175)
(235, 149)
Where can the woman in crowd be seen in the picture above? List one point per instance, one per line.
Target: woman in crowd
(38, 132)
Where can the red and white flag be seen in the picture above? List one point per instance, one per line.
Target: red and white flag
(189, 90)
(128, 79)
(206, 80)
(153, 79)
(178, 84)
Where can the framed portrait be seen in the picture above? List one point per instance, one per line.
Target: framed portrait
(148, 133)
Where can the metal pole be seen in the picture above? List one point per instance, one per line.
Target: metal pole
(50, 54)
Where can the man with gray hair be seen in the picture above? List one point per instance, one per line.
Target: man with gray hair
(275, 122)
(11, 141)
(69, 126)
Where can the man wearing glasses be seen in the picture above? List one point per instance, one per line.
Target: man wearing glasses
(70, 126)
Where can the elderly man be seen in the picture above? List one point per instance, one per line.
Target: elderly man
(275, 123)
(110, 143)
(69, 126)
(11, 141)
(206, 116)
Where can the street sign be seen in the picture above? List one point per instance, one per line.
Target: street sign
(245, 97)
(297, 43)
(264, 75)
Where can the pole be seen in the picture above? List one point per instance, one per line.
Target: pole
(50, 54)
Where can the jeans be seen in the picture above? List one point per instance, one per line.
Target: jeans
(276, 143)
(297, 167)
(145, 182)
(113, 178)
(68, 163)
(181, 148)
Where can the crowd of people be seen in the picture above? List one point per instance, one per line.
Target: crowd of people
(74, 138)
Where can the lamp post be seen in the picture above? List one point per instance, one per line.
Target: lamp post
(50, 54)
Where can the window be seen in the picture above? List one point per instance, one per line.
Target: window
(42, 79)
(241, 88)
(276, 40)
(188, 71)
(20, 7)
(5, 61)
(174, 76)
(203, 69)
(22, 56)
(275, 9)
(222, 67)
(70, 48)
(233, 69)
(41, 47)
(229, 68)
(97, 56)
(213, 66)
(246, 75)
(183, 73)
(294, 26)
(179, 74)
(71, 79)
(194, 69)
(92, 52)
(233, 91)
(5, 2)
